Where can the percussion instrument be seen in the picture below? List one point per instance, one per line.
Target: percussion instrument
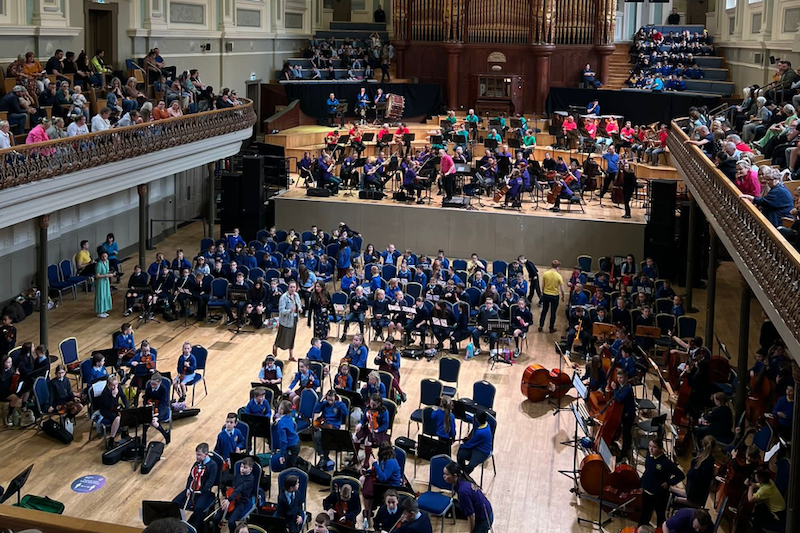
(396, 104)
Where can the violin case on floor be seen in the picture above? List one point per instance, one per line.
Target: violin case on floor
(123, 450)
(152, 455)
(186, 413)
(57, 431)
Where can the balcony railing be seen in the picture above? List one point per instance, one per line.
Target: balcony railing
(33, 162)
(760, 251)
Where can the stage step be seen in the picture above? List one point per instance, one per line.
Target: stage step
(358, 26)
(353, 34)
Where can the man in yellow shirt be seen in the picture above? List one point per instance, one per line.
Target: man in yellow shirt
(770, 507)
(84, 264)
(552, 290)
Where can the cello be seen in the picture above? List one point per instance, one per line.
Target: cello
(622, 486)
(616, 192)
(761, 388)
(554, 192)
(539, 384)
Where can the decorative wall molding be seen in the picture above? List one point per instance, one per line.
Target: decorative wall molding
(248, 18)
(182, 13)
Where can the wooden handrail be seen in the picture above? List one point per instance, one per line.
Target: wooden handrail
(18, 518)
(770, 260)
(32, 162)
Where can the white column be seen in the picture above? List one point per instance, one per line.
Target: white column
(739, 13)
(155, 14)
(48, 13)
(766, 20)
(228, 21)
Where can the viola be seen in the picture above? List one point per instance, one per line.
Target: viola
(14, 382)
(340, 511)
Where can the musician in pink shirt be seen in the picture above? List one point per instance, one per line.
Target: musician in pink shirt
(447, 171)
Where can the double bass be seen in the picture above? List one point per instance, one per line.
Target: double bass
(539, 384)
(617, 195)
(616, 488)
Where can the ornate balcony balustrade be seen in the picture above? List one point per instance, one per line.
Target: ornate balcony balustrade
(34, 162)
(768, 262)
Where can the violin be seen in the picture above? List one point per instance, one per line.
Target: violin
(319, 422)
(126, 354)
(223, 524)
(148, 361)
(539, 384)
(12, 388)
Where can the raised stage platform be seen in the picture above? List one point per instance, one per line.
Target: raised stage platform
(539, 234)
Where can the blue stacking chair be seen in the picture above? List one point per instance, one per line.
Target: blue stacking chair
(219, 296)
(55, 282)
(434, 502)
(201, 356)
(430, 390)
(687, 326)
(66, 274)
(302, 490)
(305, 411)
(280, 236)
(326, 351)
(585, 263)
(449, 369)
(68, 348)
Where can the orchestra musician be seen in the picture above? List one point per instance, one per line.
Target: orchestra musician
(403, 144)
(386, 470)
(362, 102)
(472, 122)
(342, 505)
(199, 494)
(137, 279)
(384, 131)
(326, 171)
(109, 404)
(515, 184)
(447, 173)
(580, 329)
(156, 394)
(413, 520)
(628, 187)
(412, 182)
(333, 415)
(332, 104)
(356, 135)
(185, 289)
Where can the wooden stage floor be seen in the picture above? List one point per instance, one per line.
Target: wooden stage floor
(594, 209)
(528, 493)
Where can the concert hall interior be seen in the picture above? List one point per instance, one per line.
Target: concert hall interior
(399, 266)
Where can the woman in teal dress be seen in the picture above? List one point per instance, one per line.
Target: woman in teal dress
(102, 287)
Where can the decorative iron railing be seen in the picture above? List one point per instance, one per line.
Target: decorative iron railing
(771, 260)
(33, 162)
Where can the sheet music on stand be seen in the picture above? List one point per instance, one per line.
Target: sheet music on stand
(441, 322)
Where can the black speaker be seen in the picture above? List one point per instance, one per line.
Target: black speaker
(659, 235)
(699, 245)
(456, 201)
(318, 192)
(243, 198)
(371, 195)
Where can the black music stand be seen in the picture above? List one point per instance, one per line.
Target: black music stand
(154, 510)
(408, 138)
(490, 144)
(502, 327)
(429, 169)
(516, 123)
(437, 139)
(341, 111)
(136, 417)
(367, 137)
(380, 111)
(583, 394)
(557, 404)
(241, 321)
(355, 398)
(16, 484)
(260, 427)
(574, 474)
(337, 440)
(269, 523)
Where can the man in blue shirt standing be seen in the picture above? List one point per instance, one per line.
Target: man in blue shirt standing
(332, 103)
(612, 166)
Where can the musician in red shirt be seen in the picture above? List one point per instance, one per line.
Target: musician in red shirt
(355, 140)
(383, 131)
(399, 134)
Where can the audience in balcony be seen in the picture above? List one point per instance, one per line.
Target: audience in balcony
(175, 110)
(78, 127)
(128, 119)
(38, 133)
(101, 122)
(49, 98)
(762, 115)
(54, 68)
(99, 66)
(57, 129)
(79, 103)
(777, 202)
(160, 111)
(5, 134)
(12, 104)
